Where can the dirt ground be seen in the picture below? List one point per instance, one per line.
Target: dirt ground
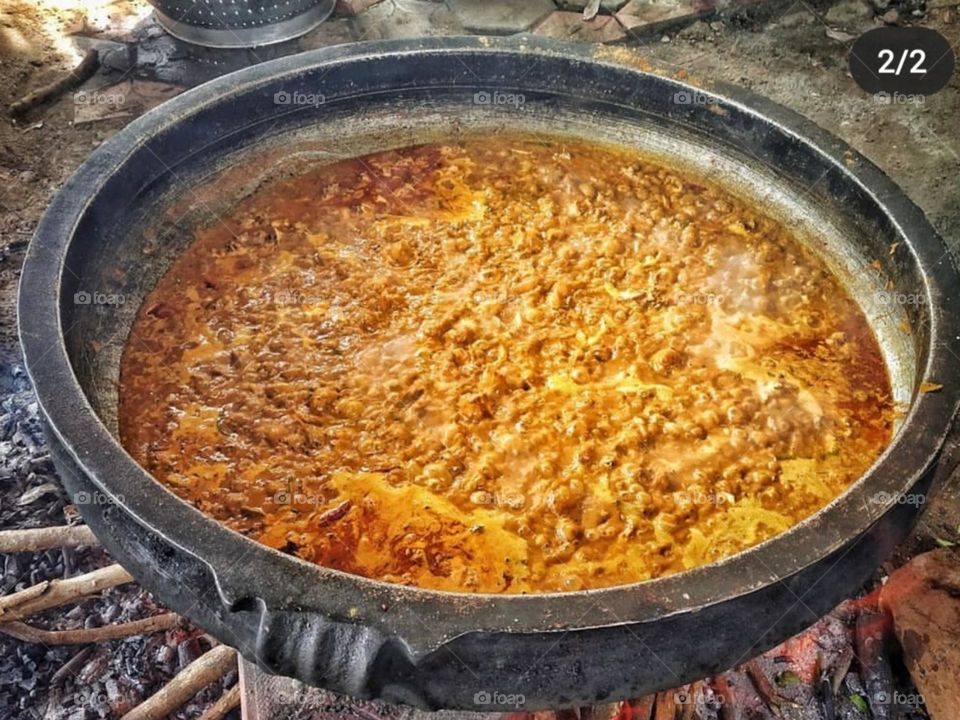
(786, 55)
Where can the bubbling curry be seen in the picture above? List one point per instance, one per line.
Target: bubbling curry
(503, 365)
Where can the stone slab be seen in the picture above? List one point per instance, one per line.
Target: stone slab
(650, 16)
(500, 17)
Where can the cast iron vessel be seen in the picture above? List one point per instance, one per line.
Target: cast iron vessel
(117, 223)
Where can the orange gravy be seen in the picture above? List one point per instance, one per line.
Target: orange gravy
(503, 365)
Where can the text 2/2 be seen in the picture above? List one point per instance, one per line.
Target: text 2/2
(917, 56)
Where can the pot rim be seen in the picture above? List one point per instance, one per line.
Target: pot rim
(334, 593)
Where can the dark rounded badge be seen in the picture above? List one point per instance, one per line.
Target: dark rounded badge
(910, 60)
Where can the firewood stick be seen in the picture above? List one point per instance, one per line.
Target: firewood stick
(81, 636)
(72, 666)
(87, 67)
(53, 593)
(690, 707)
(642, 708)
(666, 707)
(729, 709)
(227, 702)
(14, 541)
(761, 683)
(197, 675)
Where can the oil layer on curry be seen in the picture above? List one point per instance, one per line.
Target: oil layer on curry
(503, 365)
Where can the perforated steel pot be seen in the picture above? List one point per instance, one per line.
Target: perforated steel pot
(120, 220)
(240, 23)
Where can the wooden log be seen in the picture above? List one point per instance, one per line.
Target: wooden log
(87, 67)
(666, 707)
(53, 593)
(761, 683)
(13, 541)
(227, 702)
(209, 667)
(641, 708)
(81, 636)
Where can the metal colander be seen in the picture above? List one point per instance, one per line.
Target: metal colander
(240, 23)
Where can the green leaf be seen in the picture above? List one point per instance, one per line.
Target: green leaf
(788, 678)
(944, 543)
(859, 702)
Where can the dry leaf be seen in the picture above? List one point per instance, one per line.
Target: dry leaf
(839, 35)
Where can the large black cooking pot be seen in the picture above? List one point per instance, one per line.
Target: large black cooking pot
(117, 223)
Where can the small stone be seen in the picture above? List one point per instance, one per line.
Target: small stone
(849, 12)
(891, 17)
(166, 655)
(188, 651)
(698, 31)
(717, 26)
(651, 17)
(27, 176)
(92, 621)
(120, 59)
